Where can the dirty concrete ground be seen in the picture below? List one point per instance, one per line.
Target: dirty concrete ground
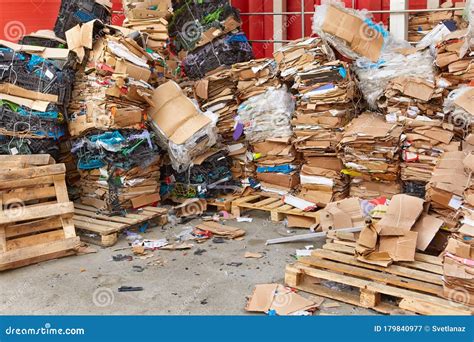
(209, 282)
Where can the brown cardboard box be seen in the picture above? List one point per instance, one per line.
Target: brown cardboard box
(400, 248)
(290, 181)
(175, 114)
(363, 39)
(401, 215)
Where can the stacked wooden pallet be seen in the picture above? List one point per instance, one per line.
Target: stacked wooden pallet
(101, 228)
(277, 209)
(413, 287)
(35, 212)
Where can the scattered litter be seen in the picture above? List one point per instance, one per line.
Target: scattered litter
(244, 219)
(130, 289)
(177, 247)
(218, 240)
(138, 269)
(275, 298)
(250, 255)
(221, 230)
(234, 264)
(200, 251)
(121, 257)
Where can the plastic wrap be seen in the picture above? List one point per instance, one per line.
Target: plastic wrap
(374, 78)
(227, 50)
(267, 115)
(186, 134)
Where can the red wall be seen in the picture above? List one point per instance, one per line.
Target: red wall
(18, 17)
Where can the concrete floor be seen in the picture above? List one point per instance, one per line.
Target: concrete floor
(174, 282)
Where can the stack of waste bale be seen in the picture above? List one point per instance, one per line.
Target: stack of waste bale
(150, 18)
(207, 35)
(454, 57)
(117, 156)
(446, 188)
(35, 90)
(418, 104)
(72, 13)
(326, 104)
(218, 94)
(266, 121)
(252, 78)
(370, 151)
(458, 263)
(422, 24)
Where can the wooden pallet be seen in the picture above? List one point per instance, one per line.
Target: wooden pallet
(35, 212)
(413, 287)
(273, 205)
(106, 229)
(221, 204)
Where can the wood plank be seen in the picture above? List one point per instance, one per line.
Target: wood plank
(109, 224)
(32, 240)
(392, 269)
(161, 211)
(30, 159)
(29, 194)
(423, 266)
(3, 239)
(275, 205)
(22, 254)
(95, 228)
(33, 213)
(118, 219)
(33, 227)
(23, 183)
(374, 275)
(307, 285)
(284, 208)
(420, 257)
(385, 289)
(266, 202)
(34, 172)
(246, 199)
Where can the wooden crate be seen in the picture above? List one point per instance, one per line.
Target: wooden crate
(412, 287)
(35, 212)
(274, 206)
(106, 228)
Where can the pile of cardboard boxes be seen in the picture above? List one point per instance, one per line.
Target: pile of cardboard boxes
(117, 157)
(149, 17)
(370, 151)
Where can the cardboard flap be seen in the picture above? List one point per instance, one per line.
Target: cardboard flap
(401, 215)
(401, 248)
